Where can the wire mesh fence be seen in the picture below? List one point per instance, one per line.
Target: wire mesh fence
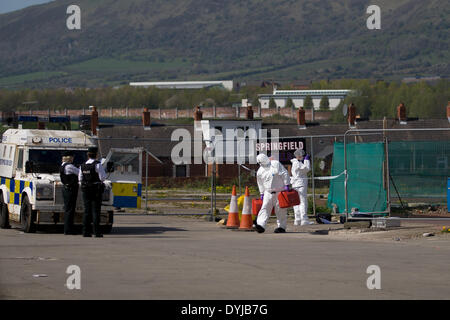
(369, 170)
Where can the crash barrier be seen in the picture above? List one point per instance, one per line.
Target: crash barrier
(407, 183)
(365, 177)
(414, 169)
(448, 194)
(419, 168)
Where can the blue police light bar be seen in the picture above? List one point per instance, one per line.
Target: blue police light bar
(59, 119)
(28, 118)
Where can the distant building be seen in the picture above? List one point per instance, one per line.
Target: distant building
(269, 84)
(226, 84)
(300, 85)
(418, 79)
(298, 96)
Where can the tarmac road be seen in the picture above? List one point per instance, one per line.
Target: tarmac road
(158, 257)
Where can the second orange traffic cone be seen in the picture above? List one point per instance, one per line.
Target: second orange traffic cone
(246, 219)
(233, 214)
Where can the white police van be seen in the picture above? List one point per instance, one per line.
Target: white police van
(31, 188)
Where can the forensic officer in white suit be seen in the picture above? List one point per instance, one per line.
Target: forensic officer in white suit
(272, 177)
(301, 165)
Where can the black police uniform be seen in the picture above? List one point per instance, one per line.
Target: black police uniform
(70, 194)
(92, 189)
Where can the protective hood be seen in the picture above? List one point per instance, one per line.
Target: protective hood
(263, 160)
(293, 160)
(299, 153)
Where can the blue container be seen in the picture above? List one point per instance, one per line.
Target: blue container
(448, 194)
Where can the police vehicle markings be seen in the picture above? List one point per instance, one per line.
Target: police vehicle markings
(16, 188)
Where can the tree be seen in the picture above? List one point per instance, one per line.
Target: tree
(308, 103)
(337, 115)
(272, 104)
(324, 103)
(289, 103)
(255, 102)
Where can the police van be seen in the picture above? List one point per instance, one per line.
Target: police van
(31, 188)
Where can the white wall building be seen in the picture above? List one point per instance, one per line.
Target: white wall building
(227, 84)
(298, 96)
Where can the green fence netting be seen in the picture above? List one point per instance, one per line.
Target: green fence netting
(419, 169)
(365, 177)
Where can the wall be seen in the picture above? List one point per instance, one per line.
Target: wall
(175, 113)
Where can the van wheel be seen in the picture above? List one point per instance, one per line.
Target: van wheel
(4, 214)
(27, 216)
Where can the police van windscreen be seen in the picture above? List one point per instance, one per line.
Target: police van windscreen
(49, 161)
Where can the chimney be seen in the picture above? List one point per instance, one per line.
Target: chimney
(249, 113)
(401, 113)
(351, 115)
(94, 121)
(198, 115)
(301, 118)
(146, 119)
(448, 111)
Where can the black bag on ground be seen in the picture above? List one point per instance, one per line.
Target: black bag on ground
(323, 215)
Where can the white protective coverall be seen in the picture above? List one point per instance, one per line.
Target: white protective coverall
(272, 177)
(299, 181)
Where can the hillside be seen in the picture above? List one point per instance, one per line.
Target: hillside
(137, 40)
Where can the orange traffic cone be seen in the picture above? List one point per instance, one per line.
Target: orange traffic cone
(246, 219)
(233, 214)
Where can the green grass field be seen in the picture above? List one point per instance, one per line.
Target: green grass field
(116, 65)
(35, 76)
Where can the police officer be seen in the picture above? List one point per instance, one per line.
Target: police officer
(69, 178)
(91, 177)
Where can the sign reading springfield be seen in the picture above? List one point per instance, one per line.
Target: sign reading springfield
(281, 149)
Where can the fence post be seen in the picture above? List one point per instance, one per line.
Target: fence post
(312, 174)
(146, 181)
(388, 174)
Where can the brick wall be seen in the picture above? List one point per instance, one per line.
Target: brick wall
(174, 113)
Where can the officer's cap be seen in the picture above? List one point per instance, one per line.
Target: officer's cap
(93, 150)
(68, 153)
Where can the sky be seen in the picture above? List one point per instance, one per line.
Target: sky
(13, 5)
